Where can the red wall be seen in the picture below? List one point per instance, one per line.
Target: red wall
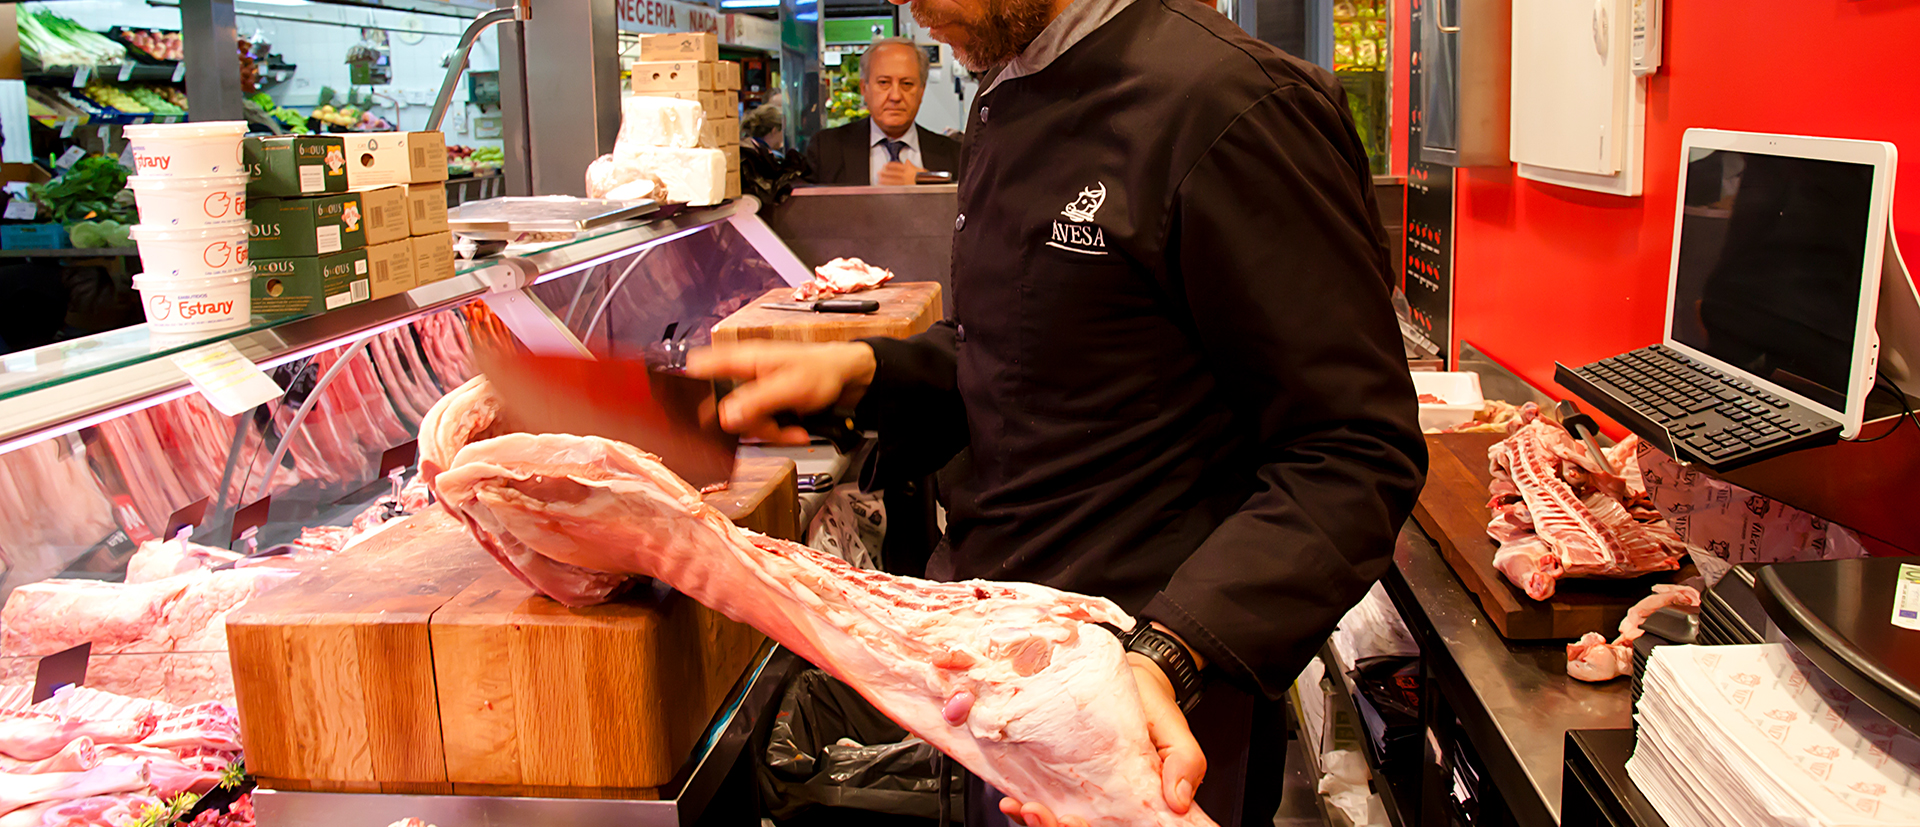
(1545, 273)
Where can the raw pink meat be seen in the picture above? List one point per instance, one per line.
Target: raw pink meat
(161, 559)
(1594, 659)
(34, 736)
(1557, 513)
(201, 726)
(841, 276)
(1045, 704)
(100, 811)
(78, 755)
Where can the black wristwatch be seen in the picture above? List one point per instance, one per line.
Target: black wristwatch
(1171, 656)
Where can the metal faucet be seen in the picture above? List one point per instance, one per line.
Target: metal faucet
(521, 11)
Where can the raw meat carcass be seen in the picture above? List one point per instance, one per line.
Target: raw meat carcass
(79, 755)
(1018, 682)
(99, 811)
(17, 791)
(161, 559)
(1592, 658)
(841, 276)
(1557, 513)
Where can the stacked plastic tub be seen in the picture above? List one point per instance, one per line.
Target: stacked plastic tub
(191, 187)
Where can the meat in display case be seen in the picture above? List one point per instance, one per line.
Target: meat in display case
(136, 518)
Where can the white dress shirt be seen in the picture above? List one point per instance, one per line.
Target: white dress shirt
(877, 156)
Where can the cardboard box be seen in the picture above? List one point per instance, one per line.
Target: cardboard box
(722, 132)
(385, 211)
(390, 268)
(672, 75)
(727, 76)
(432, 258)
(733, 187)
(695, 46)
(300, 285)
(376, 159)
(733, 159)
(288, 166)
(291, 227)
(426, 209)
(718, 105)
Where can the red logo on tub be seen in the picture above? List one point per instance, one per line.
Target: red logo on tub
(159, 162)
(159, 308)
(218, 254)
(218, 204)
(192, 309)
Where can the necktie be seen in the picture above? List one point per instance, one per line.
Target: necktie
(893, 148)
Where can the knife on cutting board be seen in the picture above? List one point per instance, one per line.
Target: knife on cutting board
(827, 306)
(662, 412)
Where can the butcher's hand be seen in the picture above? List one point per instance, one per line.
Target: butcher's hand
(899, 174)
(777, 377)
(1182, 765)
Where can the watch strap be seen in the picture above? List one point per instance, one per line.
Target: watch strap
(1168, 653)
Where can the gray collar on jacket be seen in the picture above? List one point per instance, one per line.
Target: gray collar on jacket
(1073, 25)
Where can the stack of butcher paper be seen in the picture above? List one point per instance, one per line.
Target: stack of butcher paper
(679, 135)
(1751, 736)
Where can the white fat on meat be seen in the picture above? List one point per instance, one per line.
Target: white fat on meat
(98, 811)
(1556, 513)
(1016, 681)
(840, 277)
(1592, 658)
(17, 791)
(161, 559)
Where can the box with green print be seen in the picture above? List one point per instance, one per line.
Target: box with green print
(294, 165)
(310, 284)
(289, 227)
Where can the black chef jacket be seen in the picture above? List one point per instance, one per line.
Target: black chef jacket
(1173, 378)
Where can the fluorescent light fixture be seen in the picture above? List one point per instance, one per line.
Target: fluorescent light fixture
(749, 4)
(276, 2)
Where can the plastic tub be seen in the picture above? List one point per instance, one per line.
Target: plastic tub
(176, 203)
(192, 252)
(1447, 399)
(187, 150)
(196, 305)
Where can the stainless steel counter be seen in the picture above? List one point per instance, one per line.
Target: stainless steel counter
(1514, 702)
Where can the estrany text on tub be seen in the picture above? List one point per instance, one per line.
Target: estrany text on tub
(159, 162)
(192, 309)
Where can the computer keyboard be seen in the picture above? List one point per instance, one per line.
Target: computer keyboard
(1714, 417)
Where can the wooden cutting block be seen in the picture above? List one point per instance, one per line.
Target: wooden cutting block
(334, 671)
(415, 663)
(1453, 511)
(605, 701)
(906, 308)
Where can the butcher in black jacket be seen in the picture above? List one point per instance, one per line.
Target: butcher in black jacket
(1173, 378)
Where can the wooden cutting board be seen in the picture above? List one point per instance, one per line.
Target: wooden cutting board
(415, 653)
(905, 309)
(1453, 511)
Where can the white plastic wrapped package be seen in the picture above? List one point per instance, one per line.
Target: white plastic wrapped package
(614, 176)
(659, 122)
(697, 177)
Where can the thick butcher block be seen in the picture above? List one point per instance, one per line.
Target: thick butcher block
(1453, 511)
(905, 309)
(414, 663)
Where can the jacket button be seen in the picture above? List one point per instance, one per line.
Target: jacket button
(983, 114)
(960, 223)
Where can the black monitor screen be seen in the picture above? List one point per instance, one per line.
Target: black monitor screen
(1769, 275)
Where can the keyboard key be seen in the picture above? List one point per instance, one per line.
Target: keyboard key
(1798, 429)
(1739, 416)
(1768, 439)
(1671, 411)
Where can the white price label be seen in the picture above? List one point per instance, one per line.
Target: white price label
(106, 134)
(81, 74)
(179, 71)
(126, 72)
(67, 125)
(20, 209)
(231, 383)
(126, 156)
(1906, 597)
(70, 157)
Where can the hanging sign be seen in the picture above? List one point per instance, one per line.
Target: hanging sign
(665, 16)
(749, 32)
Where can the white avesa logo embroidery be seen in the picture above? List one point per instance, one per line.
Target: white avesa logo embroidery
(1084, 207)
(1082, 236)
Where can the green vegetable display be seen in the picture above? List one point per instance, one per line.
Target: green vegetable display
(95, 188)
(51, 40)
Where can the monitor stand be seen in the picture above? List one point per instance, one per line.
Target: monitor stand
(1898, 326)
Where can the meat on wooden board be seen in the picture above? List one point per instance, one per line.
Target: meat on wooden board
(1018, 682)
(1557, 513)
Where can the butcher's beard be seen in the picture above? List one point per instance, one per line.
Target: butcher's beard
(1004, 31)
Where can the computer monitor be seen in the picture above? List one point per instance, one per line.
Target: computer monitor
(1777, 248)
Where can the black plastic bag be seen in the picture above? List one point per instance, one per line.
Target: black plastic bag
(830, 748)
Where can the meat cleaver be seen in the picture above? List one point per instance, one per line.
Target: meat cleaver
(664, 413)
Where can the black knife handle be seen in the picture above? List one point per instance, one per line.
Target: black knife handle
(846, 306)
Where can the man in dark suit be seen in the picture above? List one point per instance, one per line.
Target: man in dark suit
(887, 148)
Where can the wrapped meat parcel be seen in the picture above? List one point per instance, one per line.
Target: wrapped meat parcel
(1018, 682)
